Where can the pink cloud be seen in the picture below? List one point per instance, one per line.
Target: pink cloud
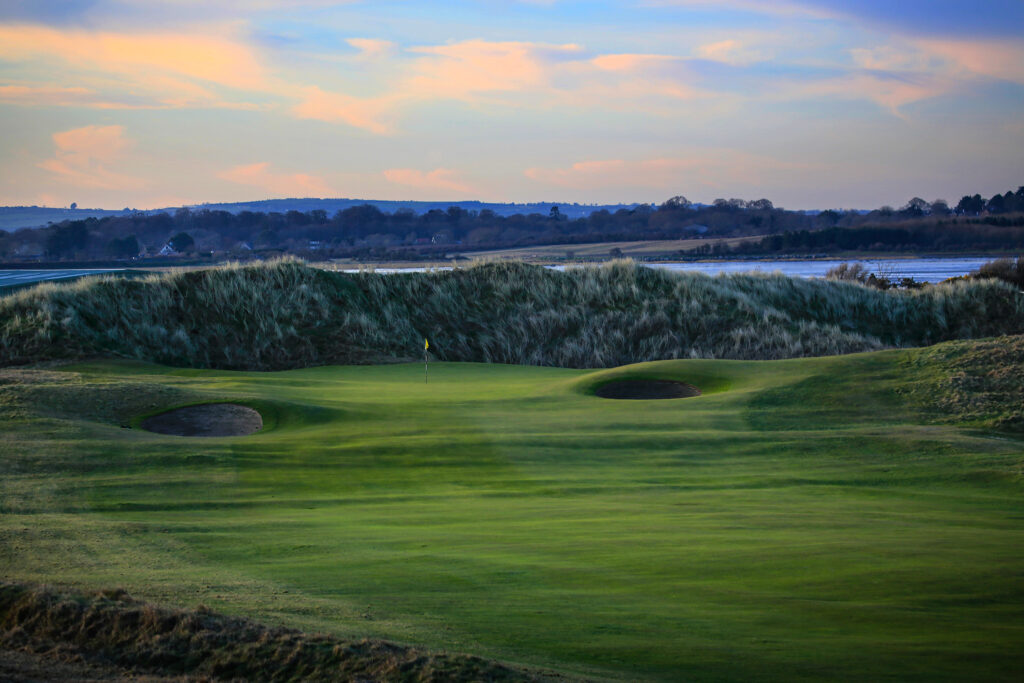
(994, 59)
(207, 58)
(438, 179)
(82, 156)
(45, 95)
(731, 51)
(889, 91)
(371, 48)
(631, 63)
(367, 113)
(478, 66)
(707, 169)
(183, 70)
(277, 184)
(133, 70)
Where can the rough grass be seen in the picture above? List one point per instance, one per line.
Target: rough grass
(286, 315)
(113, 630)
(979, 383)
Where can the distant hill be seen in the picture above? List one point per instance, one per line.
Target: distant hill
(14, 217)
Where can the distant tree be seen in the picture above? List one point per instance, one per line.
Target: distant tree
(67, 238)
(124, 247)
(939, 208)
(267, 238)
(915, 208)
(555, 214)
(761, 205)
(74, 205)
(996, 205)
(615, 252)
(183, 218)
(181, 242)
(828, 217)
(456, 214)
(676, 203)
(970, 206)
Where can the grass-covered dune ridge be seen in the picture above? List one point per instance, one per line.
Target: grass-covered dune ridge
(111, 628)
(285, 314)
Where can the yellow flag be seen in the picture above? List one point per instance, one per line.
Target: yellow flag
(426, 344)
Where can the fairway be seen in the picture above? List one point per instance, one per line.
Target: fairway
(797, 520)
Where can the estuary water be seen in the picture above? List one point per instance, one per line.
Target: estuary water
(16, 278)
(921, 269)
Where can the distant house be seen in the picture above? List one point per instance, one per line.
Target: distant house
(167, 250)
(244, 246)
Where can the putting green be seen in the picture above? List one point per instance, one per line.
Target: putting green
(798, 520)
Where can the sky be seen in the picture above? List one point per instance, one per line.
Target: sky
(813, 104)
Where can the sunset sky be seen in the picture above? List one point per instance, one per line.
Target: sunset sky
(810, 103)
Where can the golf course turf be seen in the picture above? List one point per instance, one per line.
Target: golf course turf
(809, 519)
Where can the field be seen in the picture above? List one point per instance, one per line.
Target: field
(601, 250)
(837, 518)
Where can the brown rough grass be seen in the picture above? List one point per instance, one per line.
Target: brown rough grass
(112, 631)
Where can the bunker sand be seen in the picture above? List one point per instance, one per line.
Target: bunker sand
(647, 390)
(210, 419)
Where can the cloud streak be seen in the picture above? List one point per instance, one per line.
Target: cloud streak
(284, 185)
(705, 169)
(82, 158)
(438, 179)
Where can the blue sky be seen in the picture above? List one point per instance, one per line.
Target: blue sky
(810, 103)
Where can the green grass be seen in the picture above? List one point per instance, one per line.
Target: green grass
(802, 520)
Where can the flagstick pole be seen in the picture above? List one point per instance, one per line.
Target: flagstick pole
(424, 365)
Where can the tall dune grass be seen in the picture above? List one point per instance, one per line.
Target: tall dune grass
(284, 314)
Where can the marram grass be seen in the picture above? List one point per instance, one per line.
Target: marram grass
(286, 315)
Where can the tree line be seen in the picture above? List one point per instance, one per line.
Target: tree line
(367, 232)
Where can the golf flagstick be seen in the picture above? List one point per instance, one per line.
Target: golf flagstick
(426, 345)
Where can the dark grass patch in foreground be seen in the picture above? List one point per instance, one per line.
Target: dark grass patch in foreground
(115, 632)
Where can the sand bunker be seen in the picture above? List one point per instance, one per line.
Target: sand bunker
(647, 389)
(210, 419)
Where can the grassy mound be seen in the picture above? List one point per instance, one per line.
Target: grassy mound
(112, 629)
(286, 315)
(978, 383)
